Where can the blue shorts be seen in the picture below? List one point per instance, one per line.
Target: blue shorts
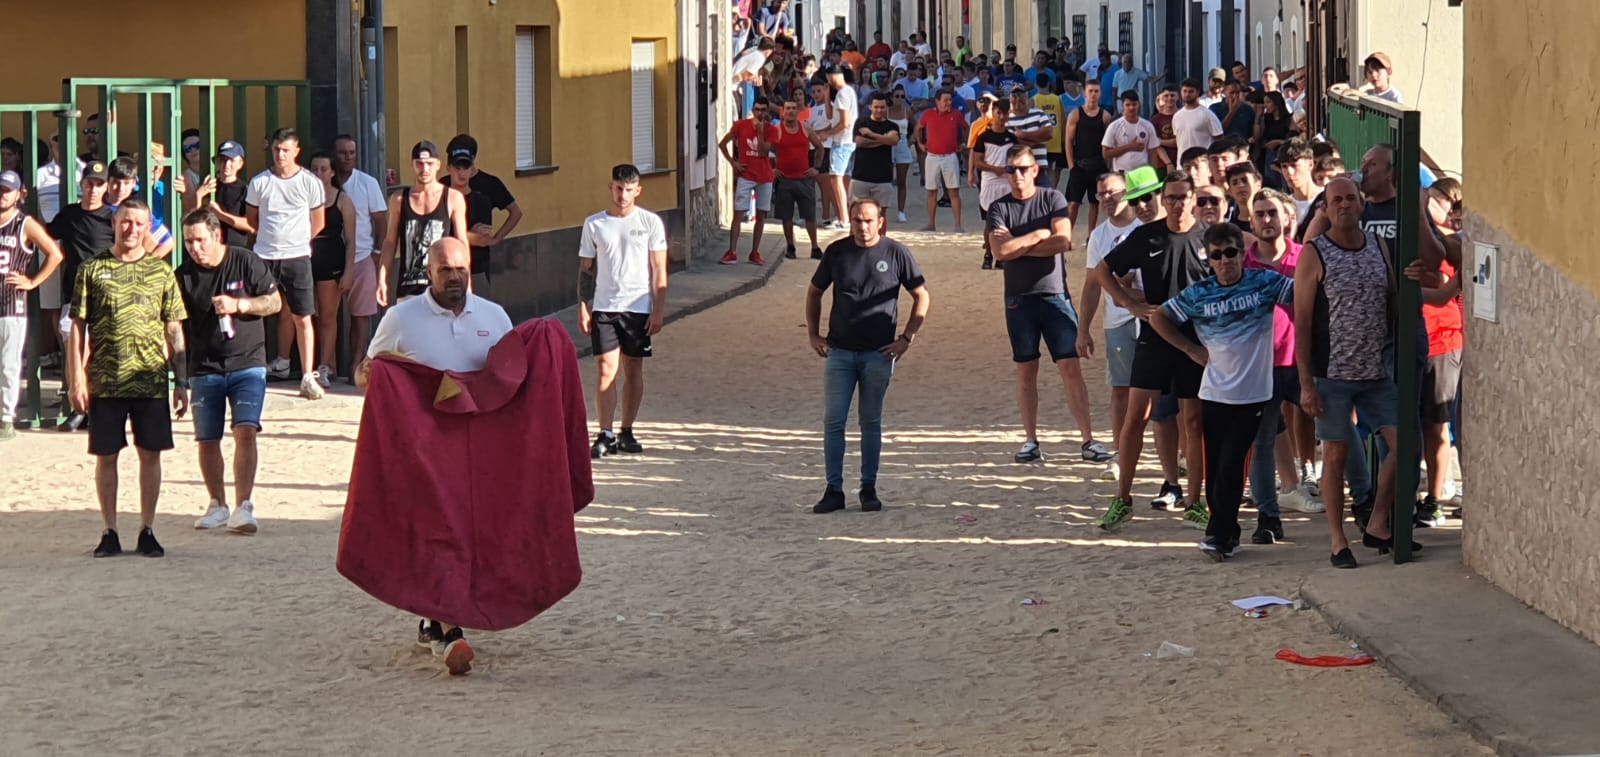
(839, 159)
(1120, 344)
(1378, 403)
(1050, 316)
(212, 394)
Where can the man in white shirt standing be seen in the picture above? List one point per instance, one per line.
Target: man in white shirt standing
(1131, 141)
(1194, 124)
(747, 74)
(373, 207)
(622, 303)
(1122, 329)
(284, 205)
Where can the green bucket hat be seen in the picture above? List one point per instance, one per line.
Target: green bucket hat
(1141, 181)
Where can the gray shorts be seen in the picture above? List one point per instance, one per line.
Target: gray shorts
(884, 193)
(1120, 343)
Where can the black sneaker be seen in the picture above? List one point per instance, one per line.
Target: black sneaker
(1218, 549)
(1268, 530)
(627, 443)
(944, 202)
(72, 422)
(430, 636)
(1361, 512)
(1170, 498)
(789, 252)
(1344, 559)
(816, 253)
(604, 444)
(1429, 513)
(110, 545)
(869, 499)
(832, 501)
(148, 546)
(988, 261)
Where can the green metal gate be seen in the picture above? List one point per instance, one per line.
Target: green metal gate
(1358, 123)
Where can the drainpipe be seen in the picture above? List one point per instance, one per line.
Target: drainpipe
(373, 126)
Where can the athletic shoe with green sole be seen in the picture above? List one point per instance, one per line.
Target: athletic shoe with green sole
(1120, 512)
(1197, 516)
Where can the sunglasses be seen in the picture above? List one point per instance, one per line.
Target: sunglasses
(1227, 253)
(1204, 202)
(1174, 199)
(91, 132)
(1020, 169)
(1143, 199)
(1110, 195)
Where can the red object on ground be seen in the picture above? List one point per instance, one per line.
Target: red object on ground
(1323, 661)
(464, 485)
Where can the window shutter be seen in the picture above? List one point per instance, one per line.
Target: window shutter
(644, 105)
(525, 99)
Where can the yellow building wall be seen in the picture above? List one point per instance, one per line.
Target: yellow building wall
(1529, 122)
(164, 39)
(590, 95)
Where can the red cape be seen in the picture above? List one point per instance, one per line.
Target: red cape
(464, 485)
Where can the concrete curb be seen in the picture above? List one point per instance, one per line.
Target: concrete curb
(699, 306)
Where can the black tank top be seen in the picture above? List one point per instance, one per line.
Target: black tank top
(418, 232)
(328, 246)
(1086, 140)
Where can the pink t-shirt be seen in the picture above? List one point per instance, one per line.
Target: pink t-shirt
(1283, 319)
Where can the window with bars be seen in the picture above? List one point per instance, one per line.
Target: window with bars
(1080, 31)
(1124, 32)
(1105, 27)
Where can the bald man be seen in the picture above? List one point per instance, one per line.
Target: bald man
(448, 328)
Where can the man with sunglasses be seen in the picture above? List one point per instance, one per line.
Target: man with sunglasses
(1170, 257)
(1029, 231)
(1210, 203)
(1231, 316)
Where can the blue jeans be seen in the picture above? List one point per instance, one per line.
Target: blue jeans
(846, 370)
(747, 99)
(212, 394)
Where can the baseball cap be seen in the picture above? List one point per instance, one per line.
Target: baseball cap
(990, 96)
(1019, 87)
(463, 150)
(10, 180)
(95, 169)
(1141, 181)
(1382, 59)
(424, 150)
(1217, 74)
(230, 149)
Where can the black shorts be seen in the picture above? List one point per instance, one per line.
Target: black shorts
(1161, 367)
(792, 195)
(1439, 384)
(297, 284)
(327, 261)
(108, 424)
(1058, 160)
(628, 332)
(1080, 183)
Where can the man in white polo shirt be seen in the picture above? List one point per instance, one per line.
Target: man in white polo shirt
(284, 205)
(448, 328)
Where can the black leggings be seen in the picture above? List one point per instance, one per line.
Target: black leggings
(1230, 432)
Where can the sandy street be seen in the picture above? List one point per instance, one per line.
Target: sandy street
(718, 615)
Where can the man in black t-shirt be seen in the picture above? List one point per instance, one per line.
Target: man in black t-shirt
(83, 231)
(227, 291)
(866, 272)
(1170, 255)
(223, 194)
(485, 193)
(875, 138)
(1028, 230)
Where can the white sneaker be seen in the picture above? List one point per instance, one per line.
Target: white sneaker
(901, 217)
(1112, 471)
(243, 520)
(1309, 489)
(216, 516)
(1299, 502)
(310, 388)
(324, 376)
(278, 369)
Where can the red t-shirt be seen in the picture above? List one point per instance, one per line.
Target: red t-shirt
(880, 50)
(757, 165)
(1446, 323)
(942, 130)
(1283, 317)
(794, 153)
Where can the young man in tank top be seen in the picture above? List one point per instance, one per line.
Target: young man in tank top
(20, 237)
(419, 216)
(1344, 298)
(1086, 127)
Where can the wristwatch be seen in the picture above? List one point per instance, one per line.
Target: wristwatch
(181, 383)
(909, 337)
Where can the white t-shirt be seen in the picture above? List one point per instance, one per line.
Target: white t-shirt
(368, 198)
(748, 63)
(285, 204)
(819, 122)
(1102, 241)
(428, 333)
(620, 247)
(1120, 133)
(924, 50)
(1195, 127)
(1092, 68)
(845, 101)
(47, 181)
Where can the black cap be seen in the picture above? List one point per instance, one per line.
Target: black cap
(424, 149)
(95, 169)
(463, 142)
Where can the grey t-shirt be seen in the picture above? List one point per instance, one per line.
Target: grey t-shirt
(1031, 275)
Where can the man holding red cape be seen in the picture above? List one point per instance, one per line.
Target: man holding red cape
(471, 462)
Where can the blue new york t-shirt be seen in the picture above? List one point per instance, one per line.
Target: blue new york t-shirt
(1234, 324)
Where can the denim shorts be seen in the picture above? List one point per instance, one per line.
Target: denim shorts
(212, 394)
(1378, 403)
(1120, 344)
(839, 159)
(1030, 317)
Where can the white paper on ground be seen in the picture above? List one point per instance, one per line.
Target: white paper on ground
(1251, 603)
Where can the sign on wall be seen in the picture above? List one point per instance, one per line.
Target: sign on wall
(1486, 282)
